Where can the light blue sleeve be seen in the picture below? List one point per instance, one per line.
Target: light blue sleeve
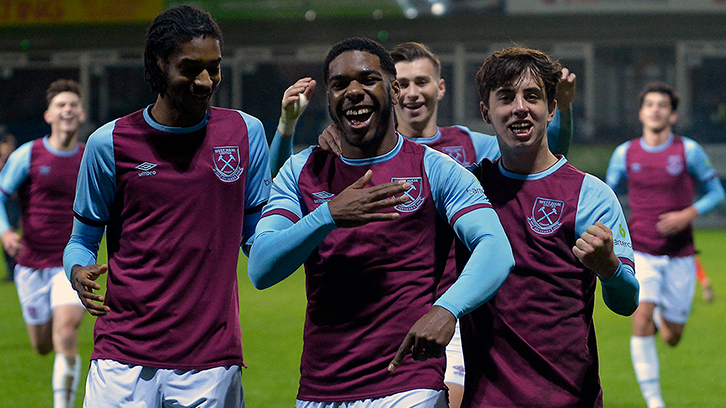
(12, 176)
(82, 248)
(617, 169)
(485, 146)
(280, 151)
(96, 186)
(95, 192)
(559, 132)
(284, 238)
(699, 166)
(598, 202)
(257, 187)
(461, 200)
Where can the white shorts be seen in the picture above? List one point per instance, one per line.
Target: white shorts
(42, 290)
(668, 282)
(420, 398)
(111, 384)
(455, 359)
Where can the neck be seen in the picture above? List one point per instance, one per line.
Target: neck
(527, 162)
(165, 113)
(386, 144)
(414, 131)
(656, 138)
(63, 141)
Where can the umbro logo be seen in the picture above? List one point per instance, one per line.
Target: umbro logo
(146, 169)
(323, 197)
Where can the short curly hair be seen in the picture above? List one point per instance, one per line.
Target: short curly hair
(662, 88)
(360, 44)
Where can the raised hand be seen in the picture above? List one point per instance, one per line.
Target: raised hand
(294, 101)
(566, 89)
(359, 205)
(83, 280)
(595, 250)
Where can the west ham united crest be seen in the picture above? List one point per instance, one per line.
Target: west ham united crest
(227, 163)
(415, 195)
(546, 215)
(675, 165)
(457, 153)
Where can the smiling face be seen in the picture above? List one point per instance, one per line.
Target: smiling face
(656, 113)
(192, 75)
(360, 99)
(421, 90)
(520, 113)
(65, 114)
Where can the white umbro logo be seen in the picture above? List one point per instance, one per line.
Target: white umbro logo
(145, 166)
(146, 169)
(323, 197)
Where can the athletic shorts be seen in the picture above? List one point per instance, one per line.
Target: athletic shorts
(668, 282)
(111, 384)
(42, 290)
(419, 398)
(455, 359)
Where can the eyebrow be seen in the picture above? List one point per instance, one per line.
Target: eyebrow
(362, 73)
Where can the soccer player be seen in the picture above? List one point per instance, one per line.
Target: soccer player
(44, 172)
(178, 186)
(661, 173)
(533, 344)
(369, 226)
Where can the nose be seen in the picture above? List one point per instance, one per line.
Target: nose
(354, 91)
(203, 79)
(520, 105)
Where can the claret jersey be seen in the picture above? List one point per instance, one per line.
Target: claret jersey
(177, 203)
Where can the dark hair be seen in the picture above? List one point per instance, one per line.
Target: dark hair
(360, 44)
(168, 32)
(412, 51)
(505, 66)
(663, 88)
(62, 85)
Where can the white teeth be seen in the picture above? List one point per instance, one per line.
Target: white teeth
(520, 127)
(361, 111)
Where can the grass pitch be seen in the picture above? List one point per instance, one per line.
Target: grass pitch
(692, 374)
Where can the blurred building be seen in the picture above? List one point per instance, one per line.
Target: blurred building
(614, 46)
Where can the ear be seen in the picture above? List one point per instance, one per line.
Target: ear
(551, 111)
(674, 118)
(442, 88)
(82, 117)
(484, 112)
(46, 116)
(395, 91)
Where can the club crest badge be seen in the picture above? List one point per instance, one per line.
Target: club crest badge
(546, 215)
(675, 165)
(414, 194)
(457, 153)
(227, 163)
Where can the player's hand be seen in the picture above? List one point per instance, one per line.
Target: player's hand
(330, 140)
(11, 242)
(566, 89)
(294, 101)
(359, 205)
(427, 338)
(595, 250)
(671, 223)
(83, 280)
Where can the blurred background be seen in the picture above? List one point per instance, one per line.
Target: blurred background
(614, 46)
